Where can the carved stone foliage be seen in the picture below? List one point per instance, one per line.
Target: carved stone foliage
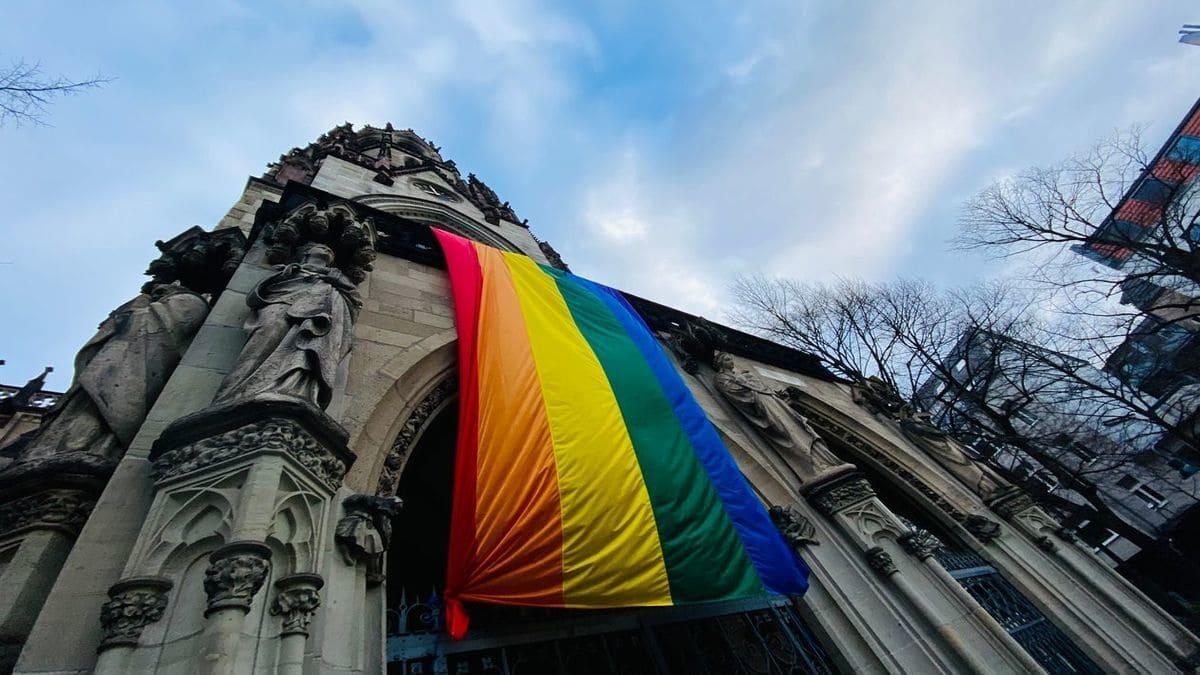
(796, 529)
(828, 428)
(365, 531)
(276, 434)
(297, 598)
(56, 509)
(840, 493)
(199, 260)
(880, 561)
(920, 543)
(351, 238)
(982, 528)
(235, 574)
(393, 464)
(132, 605)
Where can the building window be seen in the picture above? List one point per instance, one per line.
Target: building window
(958, 367)
(1152, 498)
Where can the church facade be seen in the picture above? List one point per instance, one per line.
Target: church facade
(251, 473)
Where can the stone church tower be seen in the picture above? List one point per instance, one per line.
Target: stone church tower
(251, 473)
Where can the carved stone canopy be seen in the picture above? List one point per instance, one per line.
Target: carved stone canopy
(350, 237)
(198, 260)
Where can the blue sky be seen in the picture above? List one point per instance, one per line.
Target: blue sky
(661, 149)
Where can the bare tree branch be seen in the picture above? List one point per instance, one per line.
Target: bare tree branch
(26, 92)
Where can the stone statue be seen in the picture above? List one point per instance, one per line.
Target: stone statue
(364, 533)
(785, 429)
(120, 372)
(300, 330)
(918, 428)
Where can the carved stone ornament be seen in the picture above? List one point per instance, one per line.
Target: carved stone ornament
(393, 464)
(235, 574)
(784, 429)
(297, 597)
(797, 530)
(880, 561)
(274, 434)
(65, 510)
(199, 260)
(920, 544)
(364, 533)
(132, 605)
(1047, 544)
(832, 496)
(982, 528)
(1011, 502)
(351, 239)
(831, 429)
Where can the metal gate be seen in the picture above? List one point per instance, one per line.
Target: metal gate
(1048, 645)
(756, 637)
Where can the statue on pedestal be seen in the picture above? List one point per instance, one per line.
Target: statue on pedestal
(120, 372)
(300, 330)
(785, 429)
(945, 451)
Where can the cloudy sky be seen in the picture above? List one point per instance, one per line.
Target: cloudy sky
(663, 148)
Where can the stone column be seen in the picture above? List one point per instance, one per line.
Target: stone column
(132, 605)
(41, 513)
(1113, 591)
(234, 576)
(851, 504)
(297, 598)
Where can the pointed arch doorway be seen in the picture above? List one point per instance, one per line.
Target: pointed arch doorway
(764, 636)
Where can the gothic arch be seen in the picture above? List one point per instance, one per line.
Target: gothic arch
(391, 395)
(407, 207)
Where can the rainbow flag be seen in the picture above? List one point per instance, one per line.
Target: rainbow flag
(586, 474)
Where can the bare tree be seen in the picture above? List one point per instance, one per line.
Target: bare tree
(1058, 208)
(26, 92)
(985, 362)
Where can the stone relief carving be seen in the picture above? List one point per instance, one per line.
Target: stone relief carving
(393, 464)
(297, 598)
(132, 605)
(272, 434)
(882, 399)
(1010, 503)
(364, 533)
(835, 430)
(59, 509)
(300, 329)
(881, 561)
(871, 517)
(796, 529)
(786, 430)
(235, 574)
(946, 452)
(982, 528)
(119, 373)
(840, 493)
